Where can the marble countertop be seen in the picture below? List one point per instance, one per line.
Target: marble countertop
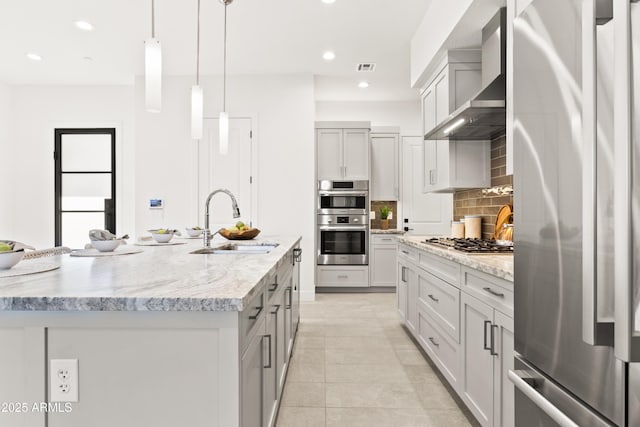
(380, 231)
(497, 265)
(161, 278)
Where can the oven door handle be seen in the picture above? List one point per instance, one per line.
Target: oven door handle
(342, 193)
(343, 228)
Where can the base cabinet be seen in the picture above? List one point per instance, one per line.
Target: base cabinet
(466, 333)
(252, 381)
(383, 264)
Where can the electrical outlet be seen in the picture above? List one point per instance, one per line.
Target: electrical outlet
(63, 381)
(372, 214)
(390, 215)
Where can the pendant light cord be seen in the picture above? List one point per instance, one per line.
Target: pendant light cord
(153, 20)
(198, 49)
(224, 73)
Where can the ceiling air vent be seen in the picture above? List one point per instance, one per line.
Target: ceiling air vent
(366, 67)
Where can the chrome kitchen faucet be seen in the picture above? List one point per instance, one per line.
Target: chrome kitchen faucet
(234, 206)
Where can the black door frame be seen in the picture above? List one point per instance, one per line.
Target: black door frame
(110, 208)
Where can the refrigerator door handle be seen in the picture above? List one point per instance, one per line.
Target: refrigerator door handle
(526, 385)
(595, 330)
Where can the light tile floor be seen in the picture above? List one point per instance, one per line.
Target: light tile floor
(355, 365)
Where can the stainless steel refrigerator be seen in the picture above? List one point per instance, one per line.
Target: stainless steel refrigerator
(576, 143)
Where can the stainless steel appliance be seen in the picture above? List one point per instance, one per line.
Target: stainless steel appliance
(471, 246)
(577, 276)
(343, 197)
(343, 240)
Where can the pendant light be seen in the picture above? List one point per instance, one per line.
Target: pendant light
(224, 117)
(153, 68)
(197, 97)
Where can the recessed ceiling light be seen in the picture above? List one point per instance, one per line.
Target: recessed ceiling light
(328, 1)
(34, 57)
(329, 56)
(84, 25)
(363, 85)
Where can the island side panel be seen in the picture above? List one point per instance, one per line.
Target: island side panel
(135, 368)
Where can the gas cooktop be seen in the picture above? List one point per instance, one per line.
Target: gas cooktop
(471, 246)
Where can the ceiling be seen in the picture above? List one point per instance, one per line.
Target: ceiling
(264, 36)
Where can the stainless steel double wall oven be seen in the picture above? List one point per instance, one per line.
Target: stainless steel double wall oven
(343, 223)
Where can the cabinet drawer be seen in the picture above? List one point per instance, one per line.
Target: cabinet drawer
(442, 268)
(343, 276)
(251, 315)
(443, 352)
(496, 292)
(382, 239)
(407, 253)
(442, 301)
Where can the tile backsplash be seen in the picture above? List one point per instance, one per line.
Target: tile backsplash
(472, 201)
(393, 205)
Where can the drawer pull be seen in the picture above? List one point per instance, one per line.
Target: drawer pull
(255, 316)
(273, 287)
(405, 252)
(486, 346)
(492, 292)
(434, 342)
(386, 240)
(343, 276)
(433, 298)
(268, 365)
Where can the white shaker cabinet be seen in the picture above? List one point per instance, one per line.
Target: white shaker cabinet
(449, 165)
(342, 152)
(382, 268)
(251, 375)
(384, 166)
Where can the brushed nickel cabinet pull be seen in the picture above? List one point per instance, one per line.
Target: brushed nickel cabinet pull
(492, 292)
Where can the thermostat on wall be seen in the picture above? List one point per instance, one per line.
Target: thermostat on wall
(156, 204)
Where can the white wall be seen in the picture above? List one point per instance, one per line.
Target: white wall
(283, 135)
(35, 112)
(6, 166)
(405, 114)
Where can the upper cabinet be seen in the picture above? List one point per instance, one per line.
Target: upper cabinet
(450, 165)
(384, 165)
(342, 150)
(458, 79)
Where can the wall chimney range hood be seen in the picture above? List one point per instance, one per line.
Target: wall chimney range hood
(483, 116)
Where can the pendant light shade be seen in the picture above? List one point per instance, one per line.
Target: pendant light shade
(197, 111)
(153, 75)
(153, 68)
(197, 96)
(224, 133)
(224, 117)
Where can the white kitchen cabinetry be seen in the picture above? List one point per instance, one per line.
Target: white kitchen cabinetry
(463, 319)
(342, 153)
(342, 276)
(251, 374)
(449, 165)
(383, 261)
(384, 166)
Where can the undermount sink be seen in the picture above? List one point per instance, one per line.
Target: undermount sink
(238, 248)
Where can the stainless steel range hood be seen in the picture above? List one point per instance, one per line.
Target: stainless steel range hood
(483, 116)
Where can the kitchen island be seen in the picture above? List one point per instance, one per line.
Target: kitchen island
(162, 338)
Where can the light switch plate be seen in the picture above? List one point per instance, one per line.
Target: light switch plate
(63, 380)
(372, 214)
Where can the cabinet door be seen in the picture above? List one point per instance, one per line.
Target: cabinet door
(503, 388)
(428, 110)
(356, 154)
(401, 293)
(430, 165)
(269, 370)
(383, 265)
(477, 362)
(384, 167)
(288, 318)
(411, 279)
(443, 162)
(251, 386)
(281, 342)
(329, 153)
(295, 299)
(441, 90)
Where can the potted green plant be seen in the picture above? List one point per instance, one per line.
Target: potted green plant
(384, 217)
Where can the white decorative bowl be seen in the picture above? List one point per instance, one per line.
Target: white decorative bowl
(106, 245)
(192, 232)
(10, 258)
(162, 238)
